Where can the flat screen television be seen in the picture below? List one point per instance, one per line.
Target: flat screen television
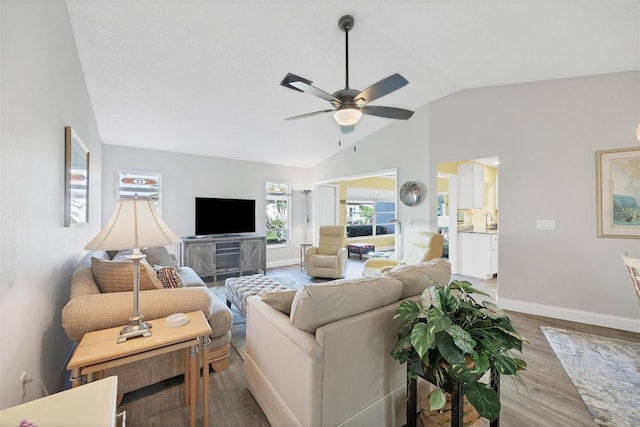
(225, 216)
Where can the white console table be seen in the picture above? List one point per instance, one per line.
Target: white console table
(92, 404)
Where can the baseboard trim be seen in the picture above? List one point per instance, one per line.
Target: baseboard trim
(580, 316)
(283, 262)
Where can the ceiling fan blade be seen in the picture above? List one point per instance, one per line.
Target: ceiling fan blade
(382, 88)
(289, 78)
(388, 112)
(302, 116)
(305, 87)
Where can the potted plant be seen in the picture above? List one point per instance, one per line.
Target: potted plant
(455, 338)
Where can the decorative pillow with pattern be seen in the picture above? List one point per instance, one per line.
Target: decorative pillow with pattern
(117, 276)
(168, 276)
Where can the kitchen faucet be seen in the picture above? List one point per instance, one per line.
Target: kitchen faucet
(489, 217)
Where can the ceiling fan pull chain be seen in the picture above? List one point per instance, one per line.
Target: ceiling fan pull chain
(346, 38)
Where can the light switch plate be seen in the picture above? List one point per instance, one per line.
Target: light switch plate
(546, 224)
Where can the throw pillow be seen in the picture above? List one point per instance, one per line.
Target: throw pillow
(168, 276)
(117, 276)
(317, 304)
(416, 278)
(281, 300)
(159, 256)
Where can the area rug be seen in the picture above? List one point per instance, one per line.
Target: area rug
(603, 370)
(238, 327)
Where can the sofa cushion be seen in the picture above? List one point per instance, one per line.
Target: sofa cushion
(189, 277)
(168, 276)
(117, 276)
(159, 256)
(315, 305)
(281, 300)
(417, 277)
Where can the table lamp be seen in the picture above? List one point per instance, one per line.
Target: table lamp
(134, 224)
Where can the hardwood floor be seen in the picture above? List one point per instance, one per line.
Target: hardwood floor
(547, 399)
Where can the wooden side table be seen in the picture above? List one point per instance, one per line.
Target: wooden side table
(94, 404)
(99, 350)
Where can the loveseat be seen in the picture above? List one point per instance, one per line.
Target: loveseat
(320, 355)
(89, 310)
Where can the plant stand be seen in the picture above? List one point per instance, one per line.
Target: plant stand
(457, 398)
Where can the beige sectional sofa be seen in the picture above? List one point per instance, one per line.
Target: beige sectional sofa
(328, 362)
(89, 309)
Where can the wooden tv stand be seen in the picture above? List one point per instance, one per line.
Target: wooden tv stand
(225, 255)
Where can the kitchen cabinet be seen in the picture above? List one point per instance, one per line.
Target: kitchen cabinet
(470, 186)
(478, 254)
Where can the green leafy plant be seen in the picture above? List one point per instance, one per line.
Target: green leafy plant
(458, 339)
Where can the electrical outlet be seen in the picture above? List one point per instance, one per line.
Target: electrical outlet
(22, 378)
(546, 224)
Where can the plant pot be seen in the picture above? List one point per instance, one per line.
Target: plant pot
(442, 418)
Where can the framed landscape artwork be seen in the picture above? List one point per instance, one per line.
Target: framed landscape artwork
(618, 192)
(76, 204)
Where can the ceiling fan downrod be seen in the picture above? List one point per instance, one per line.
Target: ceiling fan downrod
(346, 24)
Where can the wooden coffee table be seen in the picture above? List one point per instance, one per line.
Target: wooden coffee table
(99, 350)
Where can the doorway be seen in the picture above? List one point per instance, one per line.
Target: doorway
(365, 204)
(468, 217)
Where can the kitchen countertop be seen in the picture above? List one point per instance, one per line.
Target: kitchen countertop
(479, 232)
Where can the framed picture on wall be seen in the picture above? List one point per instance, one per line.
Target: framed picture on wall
(618, 192)
(147, 185)
(76, 204)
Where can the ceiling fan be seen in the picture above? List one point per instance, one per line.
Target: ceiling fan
(351, 104)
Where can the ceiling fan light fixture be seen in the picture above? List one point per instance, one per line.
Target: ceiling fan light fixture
(347, 116)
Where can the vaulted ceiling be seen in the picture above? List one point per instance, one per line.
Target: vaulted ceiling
(202, 77)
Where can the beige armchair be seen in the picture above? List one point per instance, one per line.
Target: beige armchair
(329, 258)
(425, 246)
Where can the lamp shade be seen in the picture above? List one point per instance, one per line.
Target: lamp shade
(347, 116)
(135, 223)
(638, 132)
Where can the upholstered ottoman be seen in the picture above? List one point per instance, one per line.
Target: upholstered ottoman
(238, 289)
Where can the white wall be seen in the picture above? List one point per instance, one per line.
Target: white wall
(186, 176)
(43, 89)
(402, 145)
(546, 135)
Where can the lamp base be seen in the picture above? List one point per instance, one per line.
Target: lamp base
(137, 328)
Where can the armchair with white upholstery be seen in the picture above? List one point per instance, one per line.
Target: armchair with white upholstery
(329, 258)
(425, 246)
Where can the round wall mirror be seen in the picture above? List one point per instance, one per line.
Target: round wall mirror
(411, 193)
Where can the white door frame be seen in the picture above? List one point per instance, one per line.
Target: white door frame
(325, 207)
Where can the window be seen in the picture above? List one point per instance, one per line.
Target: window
(384, 213)
(366, 218)
(278, 216)
(359, 213)
(140, 184)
